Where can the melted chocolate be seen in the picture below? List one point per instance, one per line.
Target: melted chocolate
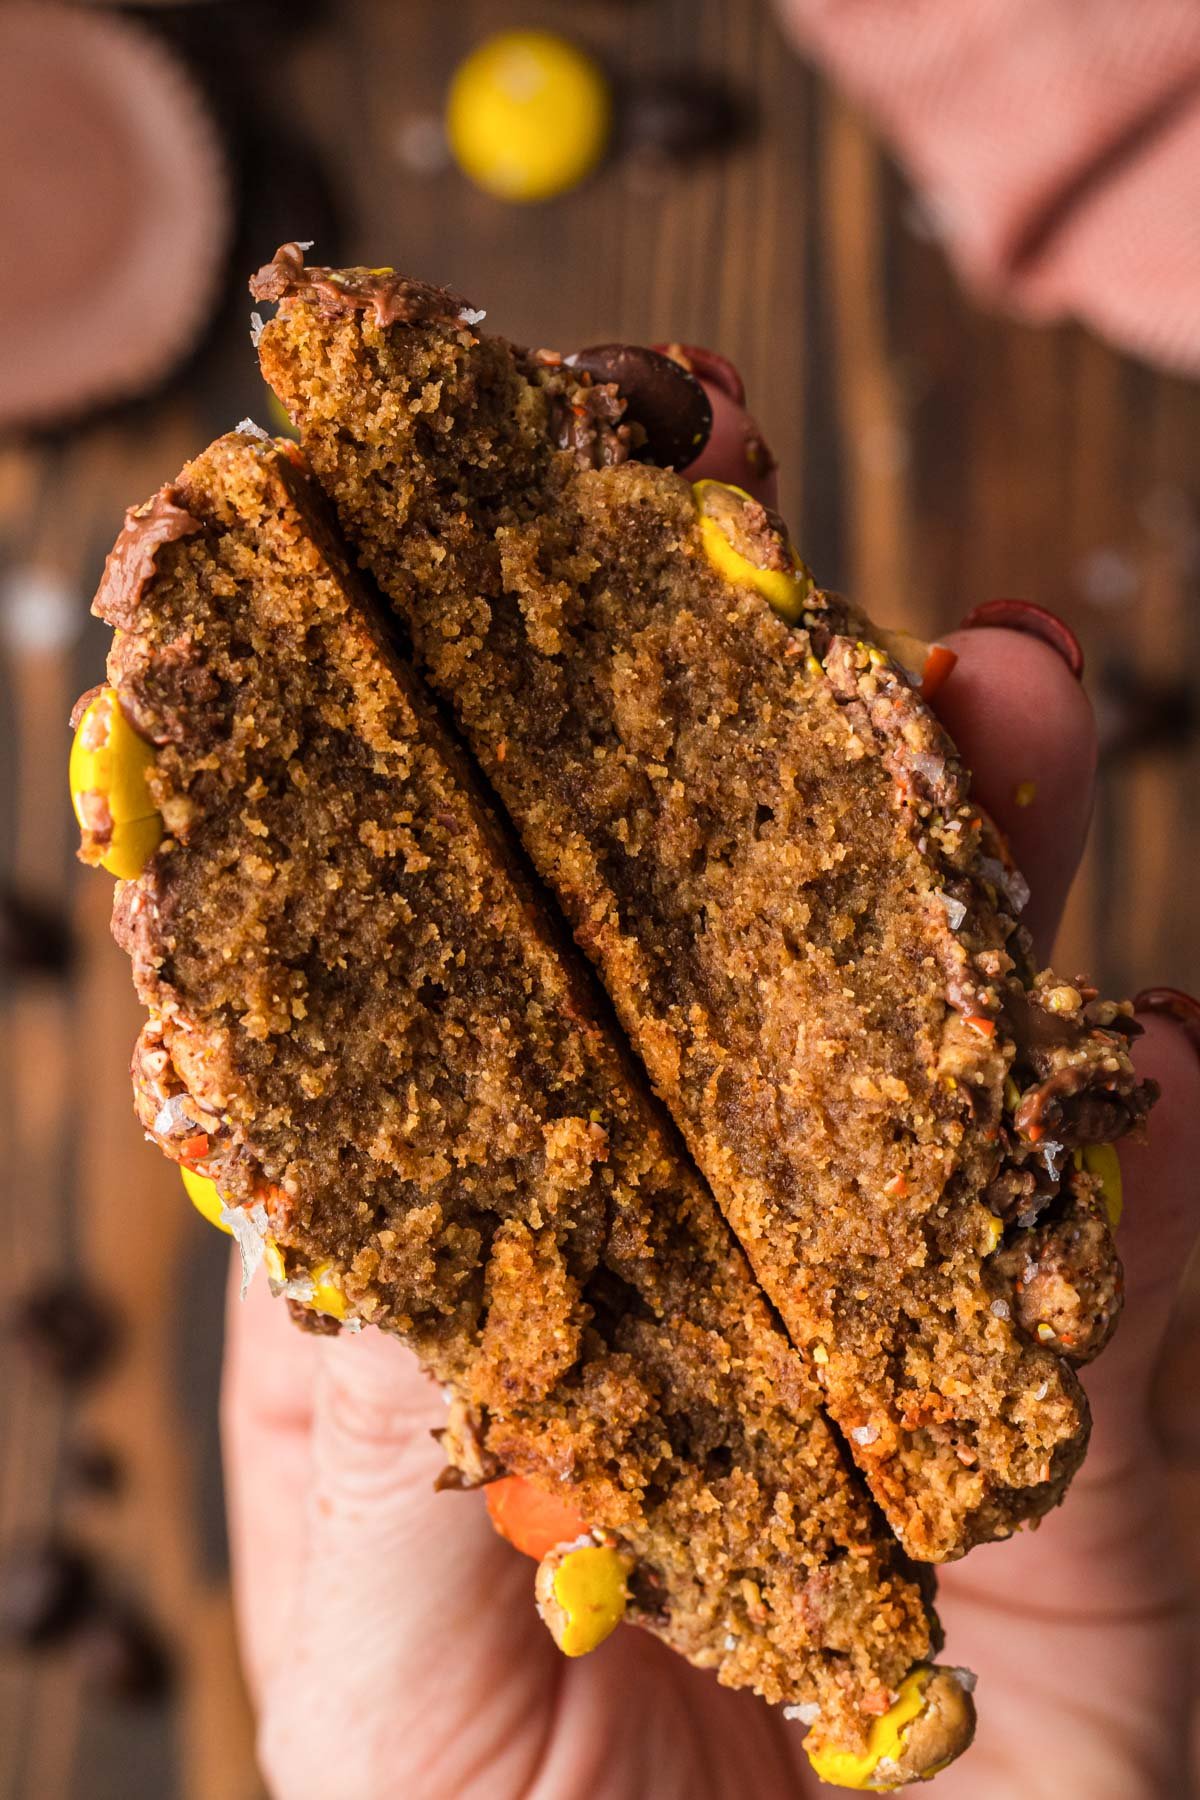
(130, 563)
(1068, 1108)
(394, 299)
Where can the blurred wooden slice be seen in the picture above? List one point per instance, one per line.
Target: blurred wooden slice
(114, 212)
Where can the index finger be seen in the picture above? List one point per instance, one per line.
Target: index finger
(1025, 728)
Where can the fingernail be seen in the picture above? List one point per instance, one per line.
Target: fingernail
(1034, 621)
(720, 377)
(1173, 1003)
(709, 365)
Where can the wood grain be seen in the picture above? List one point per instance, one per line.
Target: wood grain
(931, 455)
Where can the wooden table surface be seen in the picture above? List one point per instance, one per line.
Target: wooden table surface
(932, 456)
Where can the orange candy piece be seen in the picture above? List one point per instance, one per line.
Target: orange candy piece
(534, 1521)
(938, 665)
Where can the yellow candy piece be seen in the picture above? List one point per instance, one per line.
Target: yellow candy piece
(995, 1231)
(582, 1595)
(327, 1296)
(1101, 1161)
(110, 760)
(786, 590)
(849, 1768)
(205, 1196)
(277, 412)
(528, 115)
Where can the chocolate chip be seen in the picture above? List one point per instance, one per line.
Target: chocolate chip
(710, 366)
(45, 1589)
(65, 1327)
(664, 399)
(122, 1656)
(35, 938)
(93, 1467)
(677, 116)
(315, 1323)
(1136, 712)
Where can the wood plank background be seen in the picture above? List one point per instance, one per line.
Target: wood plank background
(932, 456)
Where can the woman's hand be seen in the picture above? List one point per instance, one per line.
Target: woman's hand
(390, 1637)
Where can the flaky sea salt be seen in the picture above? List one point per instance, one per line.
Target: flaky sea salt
(1052, 1155)
(999, 1309)
(300, 1288)
(472, 315)
(257, 326)
(1009, 882)
(807, 1713)
(248, 428)
(956, 912)
(865, 1434)
(177, 1115)
(249, 1228)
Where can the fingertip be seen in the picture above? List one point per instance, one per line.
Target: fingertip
(266, 1417)
(735, 451)
(269, 1363)
(1159, 1165)
(1025, 728)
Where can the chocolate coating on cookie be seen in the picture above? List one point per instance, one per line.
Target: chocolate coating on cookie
(660, 395)
(130, 563)
(394, 299)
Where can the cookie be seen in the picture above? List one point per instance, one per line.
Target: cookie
(371, 1038)
(767, 846)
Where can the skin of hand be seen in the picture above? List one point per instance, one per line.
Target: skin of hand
(389, 1636)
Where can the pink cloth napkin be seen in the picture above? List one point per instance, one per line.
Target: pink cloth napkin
(1056, 142)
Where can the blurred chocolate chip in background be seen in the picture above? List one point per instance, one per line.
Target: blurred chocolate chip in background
(45, 1590)
(679, 117)
(65, 1327)
(35, 938)
(1137, 712)
(122, 1655)
(91, 1467)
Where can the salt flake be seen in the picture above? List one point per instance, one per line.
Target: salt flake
(956, 912)
(249, 1227)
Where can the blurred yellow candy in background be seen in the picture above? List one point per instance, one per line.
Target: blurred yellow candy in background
(528, 115)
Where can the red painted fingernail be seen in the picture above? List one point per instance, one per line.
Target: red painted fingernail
(1173, 1003)
(709, 365)
(1034, 621)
